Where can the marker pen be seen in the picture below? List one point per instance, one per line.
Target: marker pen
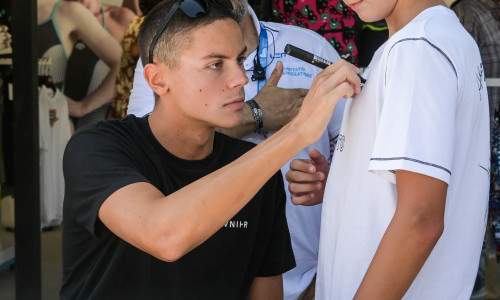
(311, 58)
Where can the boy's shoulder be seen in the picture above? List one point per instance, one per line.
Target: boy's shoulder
(437, 23)
(107, 133)
(439, 28)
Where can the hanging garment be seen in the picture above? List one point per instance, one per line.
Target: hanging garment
(55, 131)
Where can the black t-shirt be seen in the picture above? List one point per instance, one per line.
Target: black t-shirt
(97, 264)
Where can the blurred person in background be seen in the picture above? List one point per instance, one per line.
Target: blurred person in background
(130, 55)
(86, 71)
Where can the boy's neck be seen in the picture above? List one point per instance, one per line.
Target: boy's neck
(183, 139)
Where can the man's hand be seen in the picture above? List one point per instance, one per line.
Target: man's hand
(337, 81)
(307, 178)
(279, 106)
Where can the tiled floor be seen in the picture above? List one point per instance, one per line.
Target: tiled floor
(51, 265)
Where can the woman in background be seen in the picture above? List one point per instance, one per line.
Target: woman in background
(60, 25)
(86, 70)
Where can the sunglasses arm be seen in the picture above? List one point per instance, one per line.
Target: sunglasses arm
(162, 28)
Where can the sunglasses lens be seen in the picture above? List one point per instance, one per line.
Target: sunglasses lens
(194, 9)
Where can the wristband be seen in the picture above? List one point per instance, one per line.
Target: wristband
(257, 116)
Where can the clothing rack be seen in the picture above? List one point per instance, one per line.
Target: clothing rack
(7, 254)
(7, 61)
(6, 71)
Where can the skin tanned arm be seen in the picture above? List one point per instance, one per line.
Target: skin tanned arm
(168, 227)
(408, 241)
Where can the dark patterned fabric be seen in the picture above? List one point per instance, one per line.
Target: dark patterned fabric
(330, 18)
(125, 77)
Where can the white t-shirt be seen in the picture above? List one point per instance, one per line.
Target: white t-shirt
(424, 108)
(303, 222)
(55, 132)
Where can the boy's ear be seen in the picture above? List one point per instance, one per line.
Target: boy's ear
(156, 77)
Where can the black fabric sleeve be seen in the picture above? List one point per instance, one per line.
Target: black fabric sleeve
(96, 164)
(279, 256)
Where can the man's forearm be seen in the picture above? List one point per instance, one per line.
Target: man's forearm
(168, 227)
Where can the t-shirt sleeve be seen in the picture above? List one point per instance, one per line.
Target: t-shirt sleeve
(417, 118)
(279, 256)
(94, 167)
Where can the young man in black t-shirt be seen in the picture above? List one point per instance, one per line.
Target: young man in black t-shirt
(163, 207)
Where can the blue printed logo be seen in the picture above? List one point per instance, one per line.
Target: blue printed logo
(300, 71)
(291, 71)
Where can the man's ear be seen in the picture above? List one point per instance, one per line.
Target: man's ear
(156, 77)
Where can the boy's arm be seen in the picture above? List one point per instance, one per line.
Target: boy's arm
(168, 227)
(266, 288)
(408, 241)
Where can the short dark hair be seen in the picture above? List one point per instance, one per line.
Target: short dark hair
(175, 37)
(146, 5)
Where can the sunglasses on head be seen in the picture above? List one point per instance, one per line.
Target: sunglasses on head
(192, 9)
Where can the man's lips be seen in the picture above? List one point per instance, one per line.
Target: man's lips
(236, 102)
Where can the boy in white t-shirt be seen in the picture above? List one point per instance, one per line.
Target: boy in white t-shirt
(405, 203)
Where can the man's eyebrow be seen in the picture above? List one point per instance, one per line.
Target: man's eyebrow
(217, 55)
